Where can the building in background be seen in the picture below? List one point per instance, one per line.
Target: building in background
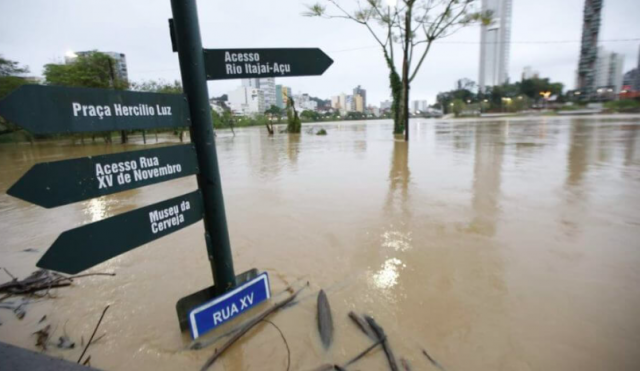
(419, 106)
(586, 79)
(363, 93)
(246, 100)
(608, 75)
(385, 105)
(342, 103)
(495, 42)
(268, 87)
(529, 73)
(348, 104)
(304, 102)
(358, 103)
(335, 102)
(120, 62)
(279, 97)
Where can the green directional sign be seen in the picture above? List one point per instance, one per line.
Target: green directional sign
(58, 183)
(55, 109)
(84, 247)
(221, 64)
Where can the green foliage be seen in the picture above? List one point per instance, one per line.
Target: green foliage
(395, 84)
(160, 86)
(10, 80)
(11, 68)
(223, 121)
(623, 105)
(93, 70)
(308, 115)
(321, 132)
(355, 116)
(274, 111)
(458, 106)
(507, 97)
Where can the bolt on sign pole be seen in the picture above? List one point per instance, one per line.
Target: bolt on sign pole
(194, 82)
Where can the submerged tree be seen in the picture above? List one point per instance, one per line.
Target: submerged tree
(294, 124)
(415, 25)
(273, 112)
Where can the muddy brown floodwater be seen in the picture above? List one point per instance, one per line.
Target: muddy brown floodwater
(495, 245)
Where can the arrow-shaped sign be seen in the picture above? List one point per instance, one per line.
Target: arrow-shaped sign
(55, 109)
(58, 183)
(83, 247)
(221, 64)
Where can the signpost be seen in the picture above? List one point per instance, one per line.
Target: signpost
(44, 109)
(54, 110)
(58, 183)
(221, 64)
(91, 244)
(206, 317)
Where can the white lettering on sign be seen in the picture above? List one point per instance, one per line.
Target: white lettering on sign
(230, 310)
(124, 172)
(241, 57)
(119, 110)
(164, 219)
(231, 68)
(90, 110)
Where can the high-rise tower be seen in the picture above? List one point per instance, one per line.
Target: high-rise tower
(495, 42)
(589, 49)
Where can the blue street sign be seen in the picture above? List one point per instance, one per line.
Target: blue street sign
(228, 306)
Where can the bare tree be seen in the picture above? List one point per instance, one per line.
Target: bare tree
(414, 25)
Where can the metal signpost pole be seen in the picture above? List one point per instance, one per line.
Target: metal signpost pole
(194, 82)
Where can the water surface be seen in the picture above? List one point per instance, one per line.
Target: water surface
(496, 245)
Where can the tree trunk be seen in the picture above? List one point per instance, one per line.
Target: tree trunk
(405, 72)
(123, 136)
(144, 137)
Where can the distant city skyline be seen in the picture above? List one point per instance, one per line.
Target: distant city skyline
(38, 32)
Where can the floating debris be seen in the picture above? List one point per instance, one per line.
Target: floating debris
(42, 337)
(325, 321)
(92, 335)
(40, 280)
(433, 361)
(65, 343)
(363, 325)
(385, 344)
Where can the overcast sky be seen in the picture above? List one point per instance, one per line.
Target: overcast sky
(36, 32)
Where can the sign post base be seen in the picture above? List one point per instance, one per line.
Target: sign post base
(186, 304)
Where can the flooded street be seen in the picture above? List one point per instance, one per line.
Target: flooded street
(495, 245)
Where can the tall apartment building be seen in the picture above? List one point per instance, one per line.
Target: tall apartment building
(363, 93)
(247, 100)
(358, 103)
(608, 72)
(267, 85)
(589, 48)
(495, 42)
(120, 65)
